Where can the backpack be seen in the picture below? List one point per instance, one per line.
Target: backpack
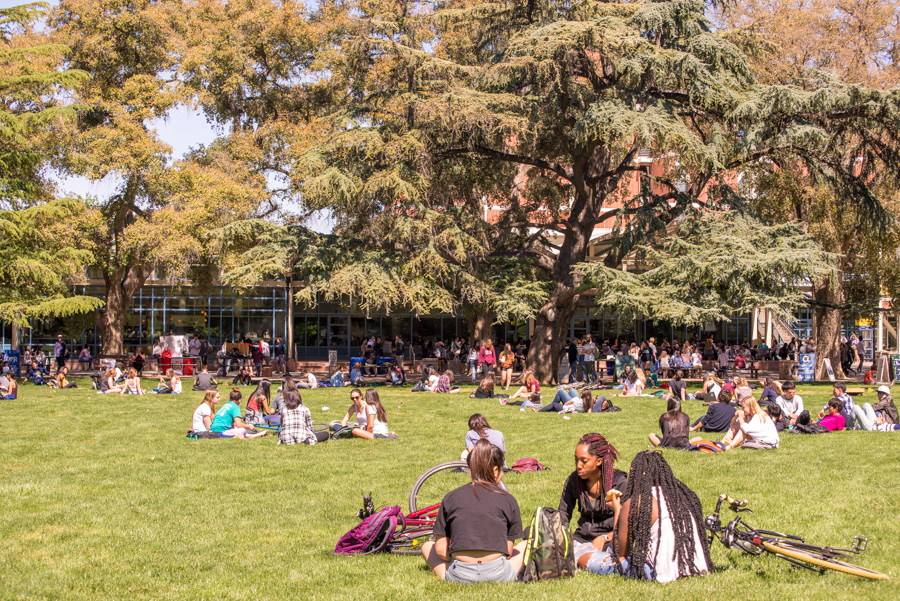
(809, 429)
(706, 446)
(372, 534)
(529, 464)
(549, 551)
(345, 432)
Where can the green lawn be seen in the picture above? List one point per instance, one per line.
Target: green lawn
(103, 497)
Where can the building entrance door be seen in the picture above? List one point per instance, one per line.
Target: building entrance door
(339, 334)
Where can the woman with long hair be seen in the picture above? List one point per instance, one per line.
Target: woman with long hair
(376, 418)
(203, 414)
(485, 389)
(751, 428)
(675, 427)
(296, 422)
(487, 356)
(132, 384)
(258, 404)
(479, 428)
(586, 488)
(507, 360)
(477, 524)
(659, 527)
(530, 385)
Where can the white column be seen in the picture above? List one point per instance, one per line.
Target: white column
(880, 339)
(769, 329)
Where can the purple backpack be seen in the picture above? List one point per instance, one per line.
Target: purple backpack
(373, 533)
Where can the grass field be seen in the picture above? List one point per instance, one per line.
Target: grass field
(103, 497)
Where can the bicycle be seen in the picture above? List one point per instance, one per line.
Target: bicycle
(414, 527)
(789, 547)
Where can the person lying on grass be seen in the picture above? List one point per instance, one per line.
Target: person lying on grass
(834, 420)
(751, 428)
(880, 416)
(659, 526)
(296, 422)
(586, 488)
(674, 425)
(228, 423)
(477, 525)
(203, 414)
(569, 401)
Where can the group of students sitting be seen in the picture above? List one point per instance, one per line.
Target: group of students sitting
(646, 524)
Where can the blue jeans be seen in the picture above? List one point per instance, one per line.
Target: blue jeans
(573, 368)
(601, 562)
(565, 394)
(473, 363)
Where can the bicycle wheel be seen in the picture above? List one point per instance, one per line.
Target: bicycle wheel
(822, 561)
(436, 482)
(409, 543)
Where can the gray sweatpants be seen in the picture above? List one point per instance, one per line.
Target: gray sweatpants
(865, 416)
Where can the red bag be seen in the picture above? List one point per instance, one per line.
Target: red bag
(529, 464)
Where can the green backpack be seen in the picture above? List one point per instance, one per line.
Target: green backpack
(550, 552)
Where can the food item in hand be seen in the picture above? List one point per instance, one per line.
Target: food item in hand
(610, 493)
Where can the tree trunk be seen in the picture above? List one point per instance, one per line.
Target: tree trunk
(480, 321)
(120, 289)
(549, 339)
(828, 294)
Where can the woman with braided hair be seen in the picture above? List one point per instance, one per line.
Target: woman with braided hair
(659, 526)
(587, 487)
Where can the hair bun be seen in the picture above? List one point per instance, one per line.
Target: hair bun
(235, 389)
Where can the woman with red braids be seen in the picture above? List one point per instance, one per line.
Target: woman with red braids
(594, 476)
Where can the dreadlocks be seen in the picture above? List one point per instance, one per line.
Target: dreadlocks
(598, 446)
(649, 470)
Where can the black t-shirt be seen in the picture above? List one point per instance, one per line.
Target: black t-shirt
(717, 418)
(676, 386)
(597, 517)
(674, 426)
(485, 522)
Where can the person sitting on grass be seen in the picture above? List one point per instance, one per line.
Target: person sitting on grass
(60, 380)
(751, 428)
(173, 386)
(36, 374)
(244, 376)
(790, 402)
(203, 414)
(741, 388)
(444, 383)
(834, 420)
(485, 389)
(227, 422)
(529, 387)
(336, 379)
(718, 417)
(659, 532)
(771, 392)
(358, 411)
(883, 413)
(476, 526)
(675, 426)
(586, 488)
(479, 429)
(376, 419)
(355, 375)
(710, 390)
(633, 385)
(9, 390)
(258, 407)
(781, 422)
(108, 383)
(678, 387)
(839, 392)
(132, 384)
(394, 377)
(204, 381)
(296, 422)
